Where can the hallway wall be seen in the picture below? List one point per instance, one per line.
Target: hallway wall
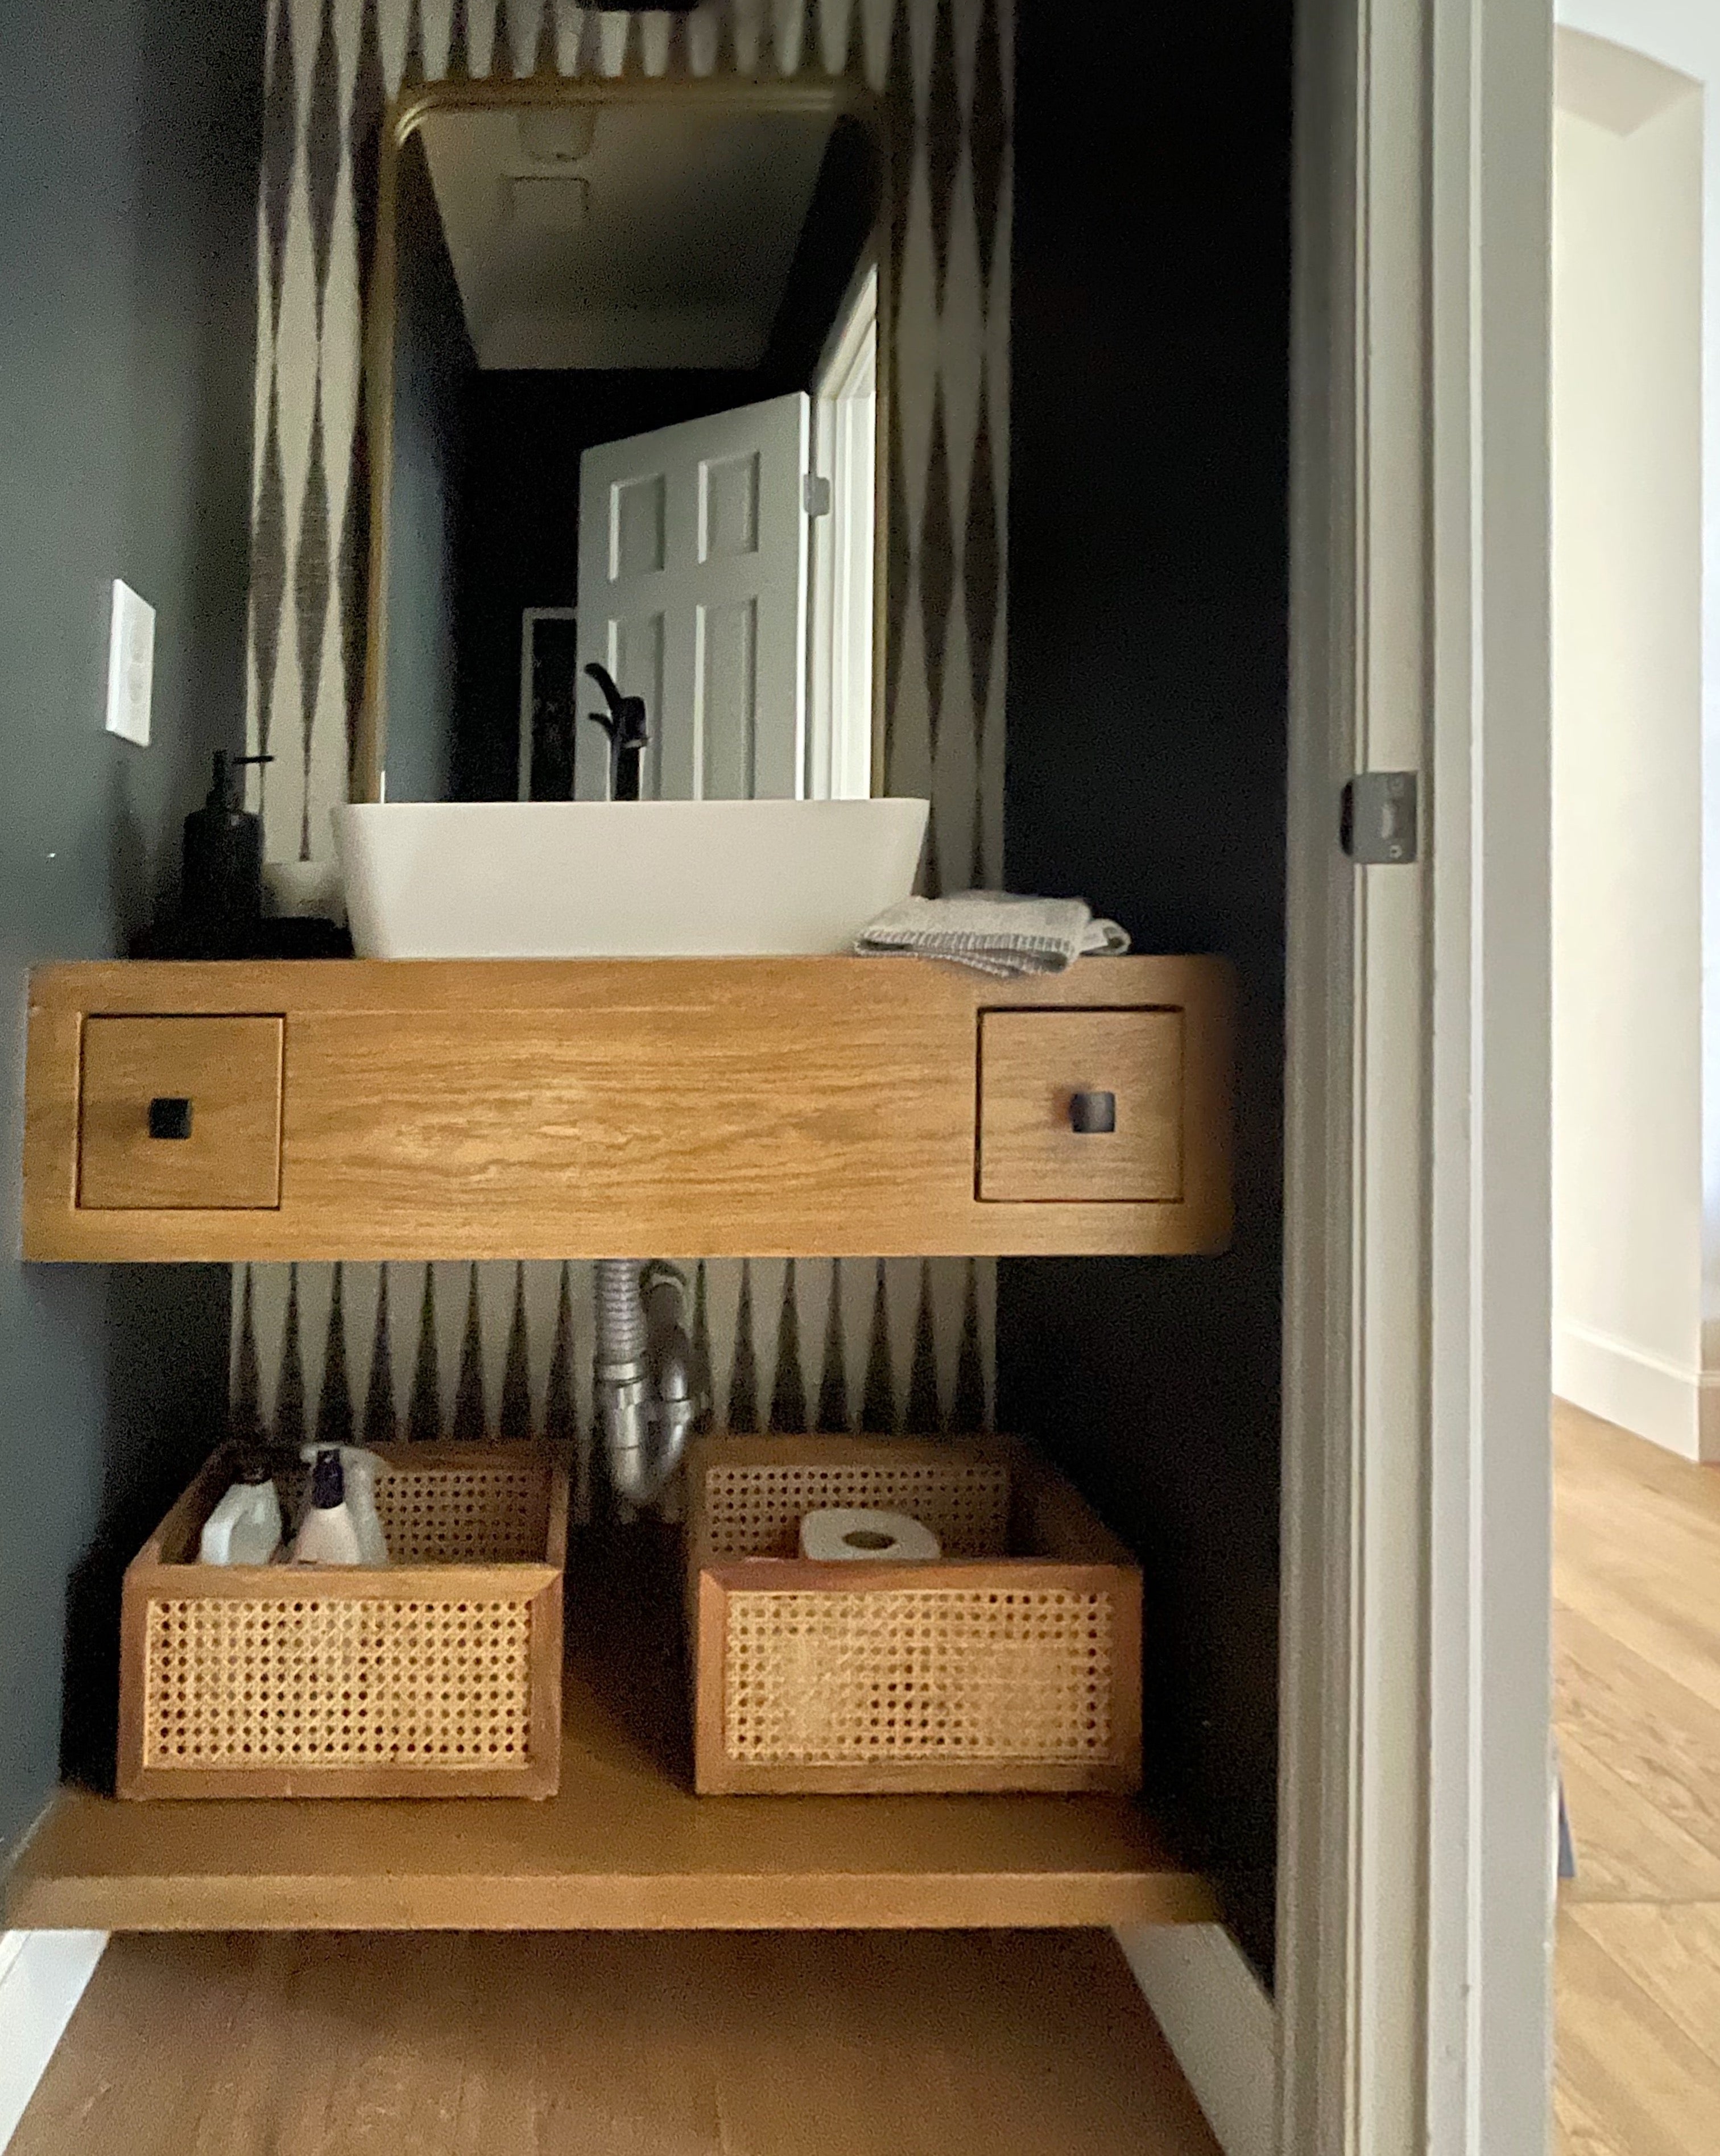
(1626, 740)
(1684, 36)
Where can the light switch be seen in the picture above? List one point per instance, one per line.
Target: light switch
(131, 665)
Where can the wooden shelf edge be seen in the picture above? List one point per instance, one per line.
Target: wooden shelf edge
(707, 1901)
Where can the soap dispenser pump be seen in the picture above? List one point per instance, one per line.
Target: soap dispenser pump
(221, 893)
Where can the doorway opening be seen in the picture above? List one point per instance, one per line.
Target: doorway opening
(1635, 1370)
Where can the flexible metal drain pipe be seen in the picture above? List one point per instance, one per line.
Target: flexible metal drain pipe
(647, 1389)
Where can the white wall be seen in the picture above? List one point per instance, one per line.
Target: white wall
(1684, 35)
(1627, 562)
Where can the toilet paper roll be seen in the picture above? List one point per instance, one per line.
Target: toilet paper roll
(851, 1531)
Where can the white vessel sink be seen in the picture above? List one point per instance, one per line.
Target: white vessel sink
(621, 878)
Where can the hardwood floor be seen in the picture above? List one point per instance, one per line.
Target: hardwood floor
(1636, 1674)
(613, 2044)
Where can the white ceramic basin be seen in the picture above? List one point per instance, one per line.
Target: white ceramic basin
(621, 878)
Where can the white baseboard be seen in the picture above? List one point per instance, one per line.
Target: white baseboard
(1672, 1405)
(42, 1978)
(1218, 2021)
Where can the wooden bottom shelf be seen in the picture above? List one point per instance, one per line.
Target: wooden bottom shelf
(625, 1845)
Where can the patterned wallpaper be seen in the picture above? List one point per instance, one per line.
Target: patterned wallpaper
(399, 1352)
(504, 1348)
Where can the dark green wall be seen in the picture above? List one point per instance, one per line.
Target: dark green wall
(1148, 566)
(129, 143)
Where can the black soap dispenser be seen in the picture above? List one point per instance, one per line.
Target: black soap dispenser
(221, 896)
(221, 912)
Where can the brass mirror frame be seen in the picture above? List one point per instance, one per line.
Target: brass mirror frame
(836, 95)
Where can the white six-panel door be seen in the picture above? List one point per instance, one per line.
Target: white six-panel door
(693, 593)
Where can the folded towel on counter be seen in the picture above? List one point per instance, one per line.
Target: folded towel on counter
(993, 931)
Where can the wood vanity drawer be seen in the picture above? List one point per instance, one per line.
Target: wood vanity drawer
(179, 1113)
(1080, 1104)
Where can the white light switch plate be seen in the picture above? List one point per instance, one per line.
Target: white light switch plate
(131, 665)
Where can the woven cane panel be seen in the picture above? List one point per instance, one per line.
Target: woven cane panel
(301, 1682)
(464, 1515)
(957, 1674)
(449, 1515)
(756, 1511)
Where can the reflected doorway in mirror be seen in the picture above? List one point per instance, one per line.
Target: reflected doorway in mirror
(693, 593)
(844, 539)
(568, 271)
(549, 713)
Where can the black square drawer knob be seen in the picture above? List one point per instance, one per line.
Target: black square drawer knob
(169, 1116)
(1092, 1111)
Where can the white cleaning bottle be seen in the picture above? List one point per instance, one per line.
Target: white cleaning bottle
(327, 1534)
(360, 1469)
(244, 1528)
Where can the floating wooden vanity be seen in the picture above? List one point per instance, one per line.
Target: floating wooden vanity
(732, 1107)
(716, 1108)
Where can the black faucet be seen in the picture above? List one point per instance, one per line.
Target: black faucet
(624, 723)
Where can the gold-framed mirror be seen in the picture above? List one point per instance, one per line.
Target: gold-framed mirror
(629, 388)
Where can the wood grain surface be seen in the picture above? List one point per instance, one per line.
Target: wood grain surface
(674, 2044)
(228, 1068)
(1636, 1625)
(624, 1844)
(1030, 1064)
(727, 1107)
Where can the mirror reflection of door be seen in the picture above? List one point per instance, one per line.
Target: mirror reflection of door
(693, 559)
(634, 409)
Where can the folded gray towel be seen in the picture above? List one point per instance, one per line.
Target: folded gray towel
(993, 931)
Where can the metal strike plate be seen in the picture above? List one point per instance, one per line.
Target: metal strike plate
(1379, 823)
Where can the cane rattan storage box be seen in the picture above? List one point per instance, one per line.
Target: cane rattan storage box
(1012, 1661)
(438, 1676)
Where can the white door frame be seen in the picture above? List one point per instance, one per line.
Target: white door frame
(1415, 1894)
(840, 638)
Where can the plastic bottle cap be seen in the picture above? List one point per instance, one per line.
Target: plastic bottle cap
(328, 1483)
